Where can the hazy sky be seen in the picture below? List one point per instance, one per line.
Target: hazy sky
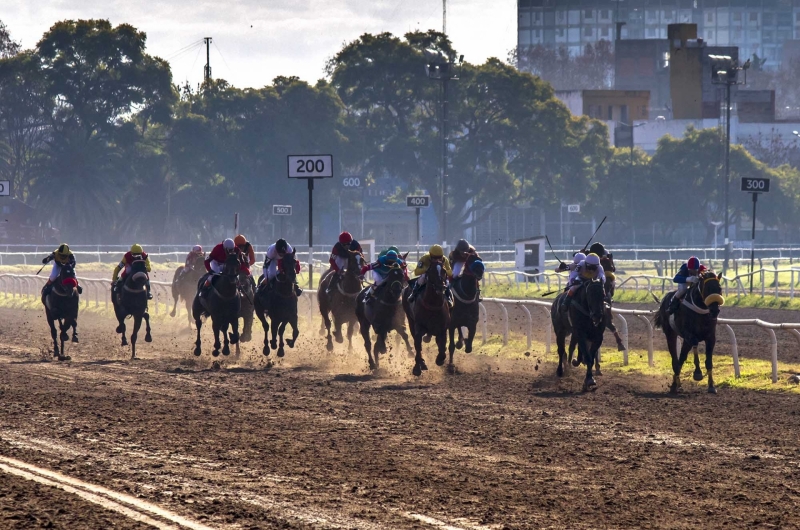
(254, 41)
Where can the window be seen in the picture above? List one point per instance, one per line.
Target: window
(587, 31)
(605, 14)
(560, 32)
(604, 32)
(737, 35)
(754, 35)
(610, 112)
(710, 34)
(668, 14)
(561, 17)
(651, 33)
(710, 17)
(537, 18)
(753, 17)
(768, 19)
(737, 16)
(588, 14)
(652, 14)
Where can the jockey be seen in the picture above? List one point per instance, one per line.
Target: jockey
(193, 257)
(576, 260)
(275, 253)
(136, 253)
(587, 270)
(248, 254)
(434, 256)
(60, 257)
(687, 275)
(215, 262)
(380, 269)
(459, 256)
(338, 259)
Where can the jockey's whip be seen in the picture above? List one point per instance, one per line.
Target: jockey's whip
(553, 251)
(548, 293)
(595, 233)
(40, 270)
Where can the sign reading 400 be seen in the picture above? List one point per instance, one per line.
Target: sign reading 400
(310, 166)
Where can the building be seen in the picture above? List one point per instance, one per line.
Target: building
(762, 27)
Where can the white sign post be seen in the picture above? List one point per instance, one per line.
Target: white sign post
(281, 210)
(5, 187)
(417, 202)
(310, 167)
(754, 186)
(574, 208)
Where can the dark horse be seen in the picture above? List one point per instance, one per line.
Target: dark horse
(131, 300)
(585, 321)
(62, 304)
(466, 311)
(383, 313)
(694, 322)
(222, 303)
(341, 301)
(429, 315)
(184, 285)
(247, 289)
(279, 303)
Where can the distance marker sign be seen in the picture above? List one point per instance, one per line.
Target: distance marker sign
(5, 187)
(418, 201)
(310, 166)
(281, 209)
(755, 185)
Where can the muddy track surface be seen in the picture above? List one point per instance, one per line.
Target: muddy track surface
(316, 442)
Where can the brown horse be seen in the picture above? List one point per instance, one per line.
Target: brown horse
(694, 322)
(383, 313)
(429, 315)
(184, 285)
(341, 301)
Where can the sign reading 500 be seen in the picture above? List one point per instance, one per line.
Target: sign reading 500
(310, 166)
(5, 187)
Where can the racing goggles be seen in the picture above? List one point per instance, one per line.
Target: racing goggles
(591, 267)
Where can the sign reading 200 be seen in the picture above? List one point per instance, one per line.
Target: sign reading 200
(310, 166)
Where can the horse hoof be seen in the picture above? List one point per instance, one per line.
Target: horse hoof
(119, 329)
(215, 353)
(274, 344)
(674, 389)
(697, 375)
(338, 337)
(226, 350)
(422, 364)
(440, 359)
(468, 349)
(329, 345)
(322, 332)
(197, 351)
(124, 342)
(172, 313)
(75, 339)
(576, 363)
(233, 337)
(597, 372)
(451, 369)
(417, 371)
(712, 390)
(560, 371)
(290, 343)
(215, 365)
(620, 346)
(266, 351)
(148, 338)
(64, 358)
(372, 365)
(589, 384)
(459, 345)
(426, 339)
(281, 353)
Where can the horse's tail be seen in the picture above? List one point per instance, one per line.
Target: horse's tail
(658, 321)
(175, 289)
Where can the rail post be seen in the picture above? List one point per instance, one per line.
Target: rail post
(483, 321)
(549, 334)
(734, 352)
(505, 323)
(625, 335)
(774, 354)
(530, 323)
(775, 266)
(649, 324)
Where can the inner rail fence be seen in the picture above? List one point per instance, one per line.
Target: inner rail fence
(98, 292)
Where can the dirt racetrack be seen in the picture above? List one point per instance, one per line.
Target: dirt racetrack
(316, 442)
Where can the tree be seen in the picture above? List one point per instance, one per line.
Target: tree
(8, 47)
(593, 69)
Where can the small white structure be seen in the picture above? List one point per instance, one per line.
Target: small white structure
(529, 255)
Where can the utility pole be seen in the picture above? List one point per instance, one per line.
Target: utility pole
(207, 69)
(444, 17)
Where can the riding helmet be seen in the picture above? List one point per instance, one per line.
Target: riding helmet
(477, 267)
(240, 240)
(391, 256)
(345, 238)
(136, 248)
(462, 245)
(436, 251)
(593, 259)
(281, 245)
(693, 264)
(197, 248)
(578, 257)
(228, 244)
(598, 248)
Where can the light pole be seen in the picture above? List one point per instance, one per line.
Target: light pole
(724, 71)
(439, 67)
(630, 186)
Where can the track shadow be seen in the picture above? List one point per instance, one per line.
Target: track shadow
(549, 394)
(402, 387)
(663, 395)
(106, 362)
(352, 378)
(35, 361)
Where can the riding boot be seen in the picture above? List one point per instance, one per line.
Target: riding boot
(414, 292)
(297, 290)
(674, 304)
(565, 303)
(333, 283)
(149, 294)
(480, 298)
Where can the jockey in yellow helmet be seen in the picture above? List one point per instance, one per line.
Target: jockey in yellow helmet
(434, 256)
(60, 257)
(136, 253)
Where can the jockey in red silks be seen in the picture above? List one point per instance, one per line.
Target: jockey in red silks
(339, 256)
(136, 253)
(215, 262)
(194, 257)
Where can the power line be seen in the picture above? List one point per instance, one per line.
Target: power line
(222, 57)
(183, 50)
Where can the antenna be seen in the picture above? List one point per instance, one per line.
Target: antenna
(444, 17)
(207, 69)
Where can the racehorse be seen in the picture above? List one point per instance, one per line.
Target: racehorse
(279, 303)
(466, 311)
(130, 299)
(222, 303)
(585, 321)
(62, 304)
(341, 301)
(383, 313)
(430, 315)
(694, 323)
(247, 289)
(184, 285)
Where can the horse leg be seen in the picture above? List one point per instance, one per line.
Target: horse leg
(441, 342)
(380, 343)
(281, 329)
(364, 330)
(274, 342)
(147, 336)
(404, 335)
(174, 306)
(326, 326)
(460, 343)
(677, 365)
(572, 344)
(295, 332)
(137, 323)
(698, 373)
(337, 329)
(609, 323)
(265, 325)
(234, 336)
(121, 329)
(452, 347)
(589, 352)
(419, 362)
(226, 349)
(561, 341)
(75, 331)
(710, 343)
(217, 344)
(54, 334)
(350, 330)
(63, 337)
(197, 349)
(470, 337)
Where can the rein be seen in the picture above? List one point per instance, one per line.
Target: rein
(464, 301)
